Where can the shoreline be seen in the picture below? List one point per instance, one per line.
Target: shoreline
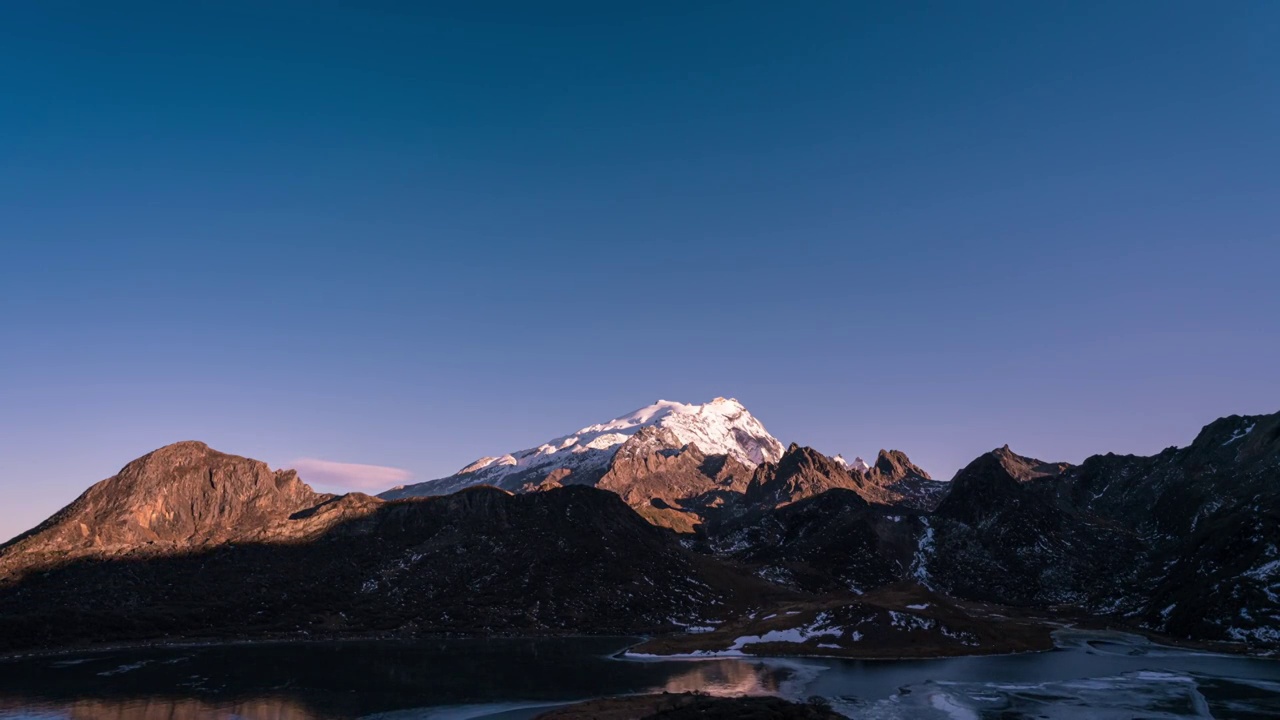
(635, 640)
(624, 655)
(293, 640)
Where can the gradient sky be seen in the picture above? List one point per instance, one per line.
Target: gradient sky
(407, 235)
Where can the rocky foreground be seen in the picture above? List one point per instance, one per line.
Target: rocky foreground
(799, 553)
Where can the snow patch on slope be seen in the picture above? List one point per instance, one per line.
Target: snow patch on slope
(1240, 434)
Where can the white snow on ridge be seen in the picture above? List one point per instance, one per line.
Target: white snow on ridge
(720, 427)
(1239, 434)
(858, 464)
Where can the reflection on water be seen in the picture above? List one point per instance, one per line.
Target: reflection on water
(159, 708)
(1090, 676)
(773, 676)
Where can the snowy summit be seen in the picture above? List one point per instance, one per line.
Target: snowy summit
(720, 427)
(858, 464)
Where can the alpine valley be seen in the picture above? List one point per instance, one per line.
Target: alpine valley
(686, 523)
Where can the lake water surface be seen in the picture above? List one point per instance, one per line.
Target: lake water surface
(1089, 676)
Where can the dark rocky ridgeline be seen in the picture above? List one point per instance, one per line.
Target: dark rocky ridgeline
(802, 472)
(479, 561)
(994, 480)
(1003, 535)
(1208, 516)
(677, 486)
(1184, 542)
(832, 542)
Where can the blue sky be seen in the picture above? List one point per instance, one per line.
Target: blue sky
(411, 234)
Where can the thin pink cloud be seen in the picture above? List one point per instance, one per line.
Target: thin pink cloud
(353, 476)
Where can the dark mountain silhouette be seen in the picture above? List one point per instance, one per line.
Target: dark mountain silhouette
(1008, 538)
(833, 541)
(1184, 542)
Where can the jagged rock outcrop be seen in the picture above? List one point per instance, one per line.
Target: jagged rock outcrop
(555, 479)
(993, 481)
(669, 483)
(894, 465)
(802, 472)
(895, 480)
(654, 465)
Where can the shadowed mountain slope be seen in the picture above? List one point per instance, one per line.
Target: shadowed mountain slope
(256, 564)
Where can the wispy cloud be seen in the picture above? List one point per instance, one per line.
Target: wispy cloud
(353, 476)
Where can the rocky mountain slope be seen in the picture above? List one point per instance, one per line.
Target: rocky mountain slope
(679, 464)
(803, 472)
(673, 484)
(181, 497)
(1184, 542)
(832, 542)
(895, 480)
(1001, 535)
(1208, 516)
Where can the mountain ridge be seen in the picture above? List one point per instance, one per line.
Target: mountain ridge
(1181, 543)
(722, 426)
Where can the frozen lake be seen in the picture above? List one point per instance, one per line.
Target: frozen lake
(1089, 676)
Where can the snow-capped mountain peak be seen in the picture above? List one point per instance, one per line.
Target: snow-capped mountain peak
(719, 427)
(858, 464)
